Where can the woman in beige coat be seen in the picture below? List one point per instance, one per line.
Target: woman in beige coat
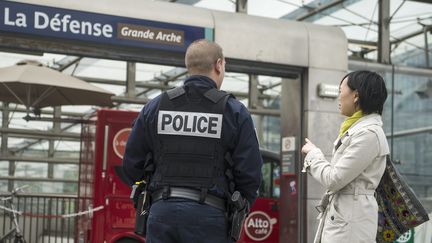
(348, 210)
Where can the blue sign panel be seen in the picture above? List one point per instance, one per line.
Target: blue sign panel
(100, 28)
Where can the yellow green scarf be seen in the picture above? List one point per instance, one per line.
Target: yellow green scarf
(349, 121)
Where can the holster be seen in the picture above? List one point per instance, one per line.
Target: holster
(142, 212)
(238, 210)
(141, 197)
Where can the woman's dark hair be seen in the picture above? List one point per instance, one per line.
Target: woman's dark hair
(371, 89)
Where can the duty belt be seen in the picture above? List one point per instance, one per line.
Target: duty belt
(180, 192)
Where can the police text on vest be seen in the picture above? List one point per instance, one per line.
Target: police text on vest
(190, 124)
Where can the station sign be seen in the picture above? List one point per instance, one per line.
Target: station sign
(69, 24)
(288, 151)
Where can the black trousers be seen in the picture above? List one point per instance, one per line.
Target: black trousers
(184, 221)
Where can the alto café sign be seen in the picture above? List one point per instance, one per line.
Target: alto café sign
(119, 141)
(259, 226)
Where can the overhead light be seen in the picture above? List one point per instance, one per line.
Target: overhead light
(328, 90)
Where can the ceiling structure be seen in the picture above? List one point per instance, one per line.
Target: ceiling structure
(409, 26)
(409, 20)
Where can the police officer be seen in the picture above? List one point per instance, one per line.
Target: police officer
(193, 132)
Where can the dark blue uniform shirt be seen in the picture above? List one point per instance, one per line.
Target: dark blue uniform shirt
(238, 134)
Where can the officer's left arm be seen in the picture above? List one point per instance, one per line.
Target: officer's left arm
(247, 159)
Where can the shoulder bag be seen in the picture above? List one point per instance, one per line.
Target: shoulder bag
(399, 208)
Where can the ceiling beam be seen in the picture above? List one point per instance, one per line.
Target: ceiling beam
(188, 2)
(161, 86)
(26, 178)
(410, 132)
(66, 62)
(40, 133)
(317, 9)
(171, 75)
(406, 37)
(421, 1)
(378, 67)
(40, 159)
(44, 112)
(370, 44)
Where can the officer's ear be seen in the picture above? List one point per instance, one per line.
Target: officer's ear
(219, 66)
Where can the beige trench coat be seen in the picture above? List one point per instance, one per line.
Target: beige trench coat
(351, 178)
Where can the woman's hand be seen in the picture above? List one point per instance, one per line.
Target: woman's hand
(308, 146)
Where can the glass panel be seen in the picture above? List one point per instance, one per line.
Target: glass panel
(227, 6)
(408, 115)
(270, 8)
(9, 59)
(412, 121)
(235, 82)
(101, 68)
(64, 171)
(268, 127)
(39, 148)
(270, 187)
(276, 180)
(270, 140)
(70, 188)
(3, 186)
(412, 99)
(265, 187)
(149, 72)
(408, 110)
(28, 169)
(271, 88)
(4, 168)
(67, 146)
(16, 143)
(17, 121)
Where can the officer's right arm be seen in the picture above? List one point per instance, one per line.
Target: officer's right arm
(139, 144)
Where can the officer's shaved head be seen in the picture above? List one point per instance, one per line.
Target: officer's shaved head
(201, 56)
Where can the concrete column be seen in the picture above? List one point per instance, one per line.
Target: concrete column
(321, 121)
(253, 92)
(5, 124)
(384, 32)
(51, 144)
(11, 173)
(255, 103)
(130, 79)
(4, 144)
(292, 210)
(427, 29)
(241, 6)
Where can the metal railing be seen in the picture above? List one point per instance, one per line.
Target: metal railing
(41, 220)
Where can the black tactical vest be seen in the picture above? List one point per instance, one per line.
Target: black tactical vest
(188, 150)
